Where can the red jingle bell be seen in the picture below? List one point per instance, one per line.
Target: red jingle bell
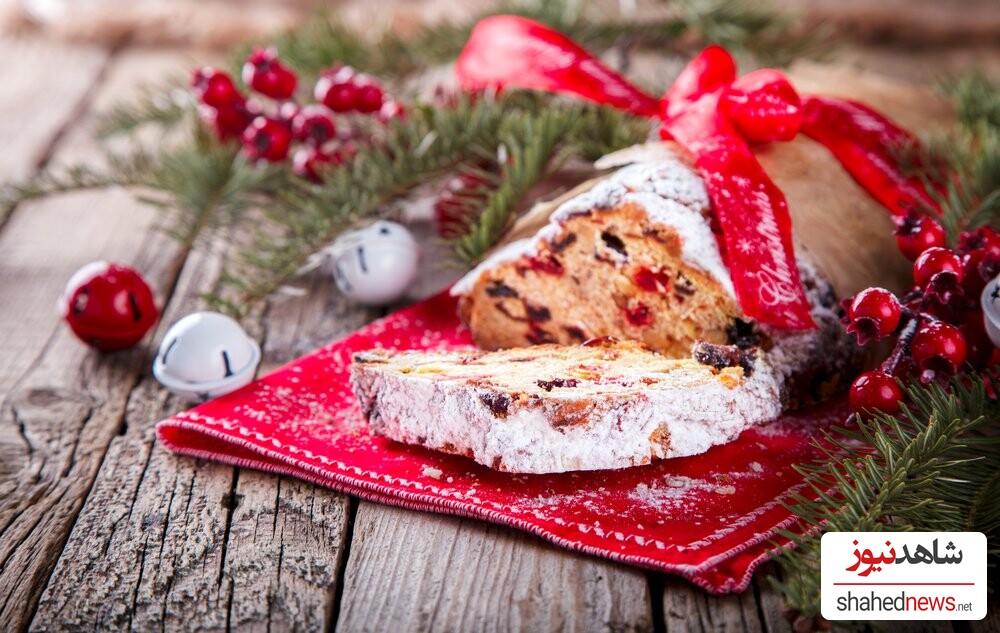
(108, 306)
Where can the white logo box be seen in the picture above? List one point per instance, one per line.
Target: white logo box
(903, 575)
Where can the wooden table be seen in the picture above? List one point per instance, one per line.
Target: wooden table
(102, 529)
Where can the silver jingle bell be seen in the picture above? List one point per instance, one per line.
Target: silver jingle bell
(375, 265)
(990, 301)
(206, 355)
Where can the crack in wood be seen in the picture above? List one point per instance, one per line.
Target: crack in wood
(138, 584)
(21, 430)
(340, 582)
(71, 458)
(230, 509)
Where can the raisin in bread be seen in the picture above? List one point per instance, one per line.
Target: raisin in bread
(555, 408)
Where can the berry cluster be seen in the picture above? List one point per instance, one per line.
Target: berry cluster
(939, 322)
(271, 124)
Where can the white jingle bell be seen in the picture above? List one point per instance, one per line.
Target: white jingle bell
(206, 355)
(991, 310)
(375, 265)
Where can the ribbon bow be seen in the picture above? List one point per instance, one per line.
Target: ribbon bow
(715, 115)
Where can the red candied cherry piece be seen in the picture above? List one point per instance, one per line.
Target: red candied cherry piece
(544, 262)
(639, 314)
(939, 271)
(935, 261)
(654, 279)
(875, 391)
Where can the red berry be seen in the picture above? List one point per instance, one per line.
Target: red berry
(916, 233)
(307, 162)
(935, 261)
(215, 88)
(873, 314)
(266, 139)
(938, 349)
(227, 122)
(108, 306)
(313, 125)
(973, 282)
(982, 238)
(337, 90)
(875, 391)
(370, 95)
(263, 72)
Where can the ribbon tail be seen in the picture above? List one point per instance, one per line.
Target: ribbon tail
(868, 144)
(757, 234)
(511, 51)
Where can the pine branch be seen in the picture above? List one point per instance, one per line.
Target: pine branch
(529, 143)
(917, 471)
(124, 170)
(164, 107)
(754, 28)
(757, 29)
(306, 218)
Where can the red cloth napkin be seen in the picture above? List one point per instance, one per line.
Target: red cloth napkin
(710, 518)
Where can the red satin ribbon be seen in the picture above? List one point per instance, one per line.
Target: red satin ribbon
(714, 115)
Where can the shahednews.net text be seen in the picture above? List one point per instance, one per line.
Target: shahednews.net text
(901, 602)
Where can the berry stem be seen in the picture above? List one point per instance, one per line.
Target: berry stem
(902, 348)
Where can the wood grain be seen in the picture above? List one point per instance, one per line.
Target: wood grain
(688, 609)
(419, 572)
(62, 403)
(45, 86)
(65, 403)
(193, 545)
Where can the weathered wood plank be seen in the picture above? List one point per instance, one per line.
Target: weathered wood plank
(44, 85)
(419, 572)
(287, 538)
(150, 529)
(686, 608)
(62, 403)
(192, 545)
(769, 601)
(200, 546)
(68, 403)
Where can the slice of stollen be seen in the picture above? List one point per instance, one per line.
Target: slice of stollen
(556, 408)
